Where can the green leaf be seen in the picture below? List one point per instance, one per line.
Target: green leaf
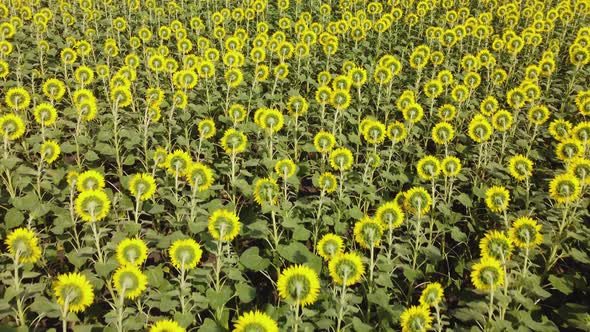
(561, 284)
(252, 260)
(13, 218)
(245, 292)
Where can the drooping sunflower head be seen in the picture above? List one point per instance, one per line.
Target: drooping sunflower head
(431, 295)
(502, 120)
(341, 159)
(525, 232)
(142, 186)
(49, 151)
(396, 131)
(328, 182)
(443, 133)
(92, 205)
(266, 191)
(433, 88)
(497, 198)
(132, 252)
(185, 254)
(428, 167)
(390, 215)
(538, 114)
(199, 176)
(237, 112)
(224, 225)
(297, 105)
(285, 168)
(329, 246)
(520, 167)
(11, 126)
(121, 96)
(234, 141)
(75, 290)
(178, 162)
(271, 119)
(487, 274)
(299, 283)
(564, 188)
(417, 200)
(90, 180)
(413, 113)
(130, 281)
(160, 157)
(488, 106)
(497, 245)
(255, 321)
(166, 326)
(480, 130)
(560, 129)
(346, 268)
(582, 132)
(368, 232)
(460, 93)
(324, 141)
(340, 99)
(23, 245)
(407, 98)
(416, 319)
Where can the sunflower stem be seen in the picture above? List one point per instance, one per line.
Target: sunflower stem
(316, 228)
(97, 240)
(491, 305)
(341, 304)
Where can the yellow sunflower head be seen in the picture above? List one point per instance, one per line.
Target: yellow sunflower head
(23, 245)
(341, 159)
(90, 180)
(11, 126)
(129, 281)
(234, 141)
(416, 319)
(92, 205)
(299, 283)
(520, 167)
(142, 186)
(178, 162)
(166, 326)
(428, 168)
(324, 141)
(45, 114)
(431, 295)
(368, 232)
(525, 232)
(417, 200)
(224, 225)
(390, 215)
(285, 168)
(329, 246)
(450, 166)
(346, 269)
(487, 274)
(74, 291)
(199, 176)
(497, 199)
(580, 168)
(132, 252)
(564, 188)
(497, 245)
(17, 98)
(266, 191)
(185, 254)
(49, 151)
(255, 321)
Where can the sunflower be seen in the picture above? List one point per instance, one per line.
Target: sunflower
(502, 120)
(90, 180)
(374, 132)
(45, 114)
(17, 98)
(497, 199)
(199, 176)
(428, 168)
(580, 168)
(460, 93)
(299, 283)
(431, 295)
(538, 114)
(390, 215)
(178, 162)
(92, 205)
(525, 232)
(346, 268)
(341, 159)
(328, 182)
(520, 167)
(285, 168)
(143, 186)
(255, 321)
(24, 244)
(121, 96)
(340, 99)
(516, 98)
(266, 191)
(234, 77)
(368, 232)
(237, 112)
(569, 149)
(488, 106)
(185, 254)
(487, 274)
(560, 129)
(11, 126)
(234, 141)
(433, 88)
(224, 224)
(396, 131)
(329, 246)
(180, 99)
(497, 245)
(132, 252)
(297, 105)
(416, 319)
(271, 119)
(129, 281)
(413, 113)
(582, 132)
(49, 151)
(160, 157)
(324, 141)
(74, 291)
(443, 133)
(450, 166)
(206, 128)
(480, 130)
(166, 326)
(564, 188)
(4, 69)
(417, 200)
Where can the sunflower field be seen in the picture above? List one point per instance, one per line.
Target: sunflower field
(291, 165)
